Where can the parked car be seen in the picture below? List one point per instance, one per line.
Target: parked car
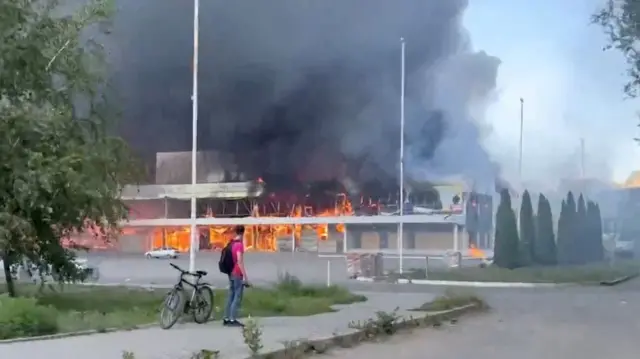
(163, 252)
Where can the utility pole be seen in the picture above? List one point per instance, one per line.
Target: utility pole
(401, 199)
(194, 135)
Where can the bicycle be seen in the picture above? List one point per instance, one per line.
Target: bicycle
(201, 301)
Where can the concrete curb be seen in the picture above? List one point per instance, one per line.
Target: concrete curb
(321, 345)
(451, 283)
(130, 285)
(75, 334)
(619, 280)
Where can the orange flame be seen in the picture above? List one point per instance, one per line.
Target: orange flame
(265, 237)
(476, 253)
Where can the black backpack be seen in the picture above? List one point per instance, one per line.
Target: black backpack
(226, 263)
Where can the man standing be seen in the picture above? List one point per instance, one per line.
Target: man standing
(232, 263)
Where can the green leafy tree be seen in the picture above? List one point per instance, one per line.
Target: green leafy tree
(527, 231)
(619, 20)
(507, 245)
(545, 252)
(582, 246)
(62, 172)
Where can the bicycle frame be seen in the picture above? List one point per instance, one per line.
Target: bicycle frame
(194, 286)
(182, 282)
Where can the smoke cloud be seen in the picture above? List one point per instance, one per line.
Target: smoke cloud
(309, 90)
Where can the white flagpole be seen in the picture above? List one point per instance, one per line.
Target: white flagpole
(194, 135)
(401, 200)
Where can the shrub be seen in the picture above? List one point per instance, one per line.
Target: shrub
(252, 334)
(23, 317)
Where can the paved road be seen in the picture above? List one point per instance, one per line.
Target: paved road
(585, 323)
(262, 267)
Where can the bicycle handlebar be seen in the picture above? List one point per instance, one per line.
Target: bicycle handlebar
(182, 271)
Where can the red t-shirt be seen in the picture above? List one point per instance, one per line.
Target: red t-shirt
(236, 247)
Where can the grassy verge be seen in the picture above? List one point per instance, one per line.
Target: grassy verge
(586, 274)
(84, 307)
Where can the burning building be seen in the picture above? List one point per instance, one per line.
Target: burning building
(253, 198)
(299, 112)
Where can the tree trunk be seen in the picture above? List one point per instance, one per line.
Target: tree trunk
(11, 287)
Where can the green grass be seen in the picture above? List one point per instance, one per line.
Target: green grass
(585, 274)
(85, 307)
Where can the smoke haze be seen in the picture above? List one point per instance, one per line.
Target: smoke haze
(572, 89)
(309, 90)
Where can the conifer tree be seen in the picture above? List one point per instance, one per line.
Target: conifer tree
(582, 244)
(507, 244)
(595, 220)
(545, 252)
(563, 235)
(527, 231)
(570, 223)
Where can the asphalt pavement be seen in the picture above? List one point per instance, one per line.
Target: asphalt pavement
(552, 323)
(579, 322)
(262, 268)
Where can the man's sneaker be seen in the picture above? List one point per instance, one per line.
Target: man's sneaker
(226, 322)
(234, 323)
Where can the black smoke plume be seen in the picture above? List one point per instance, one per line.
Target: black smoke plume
(307, 90)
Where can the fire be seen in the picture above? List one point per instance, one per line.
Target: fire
(265, 237)
(474, 252)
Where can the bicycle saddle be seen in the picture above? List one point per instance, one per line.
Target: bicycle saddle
(201, 273)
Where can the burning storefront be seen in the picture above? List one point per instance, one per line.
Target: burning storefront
(255, 198)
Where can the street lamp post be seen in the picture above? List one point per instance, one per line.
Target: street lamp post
(194, 135)
(401, 199)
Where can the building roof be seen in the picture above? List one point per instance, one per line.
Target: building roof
(228, 190)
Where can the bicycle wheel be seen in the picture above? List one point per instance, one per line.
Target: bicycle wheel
(203, 304)
(171, 308)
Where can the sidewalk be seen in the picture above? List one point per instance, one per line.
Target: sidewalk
(184, 339)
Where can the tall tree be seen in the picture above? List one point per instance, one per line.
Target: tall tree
(570, 223)
(507, 244)
(545, 252)
(595, 233)
(527, 231)
(582, 247)
(563, 245)
(619, 20)
(62, 171)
